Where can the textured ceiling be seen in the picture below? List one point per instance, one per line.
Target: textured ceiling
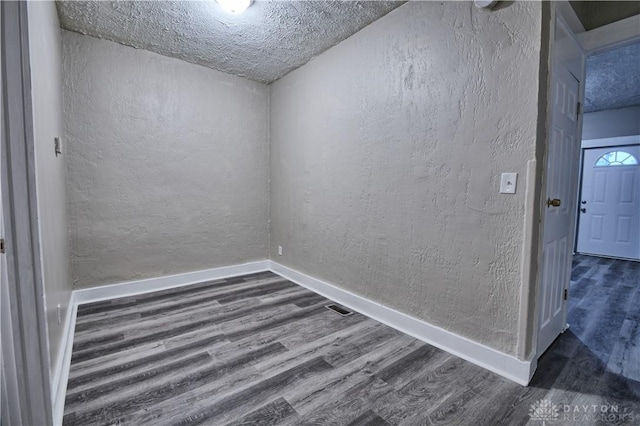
(264, 43)
(613, 79)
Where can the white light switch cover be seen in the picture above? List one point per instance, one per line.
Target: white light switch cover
(508, 183)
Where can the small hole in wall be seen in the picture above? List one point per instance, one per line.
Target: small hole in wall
(57, 145)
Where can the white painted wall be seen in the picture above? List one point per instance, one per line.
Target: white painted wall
(611, 123)
(45, 47)
(167, 163)
(385, 162)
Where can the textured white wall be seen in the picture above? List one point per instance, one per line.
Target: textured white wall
(611, 123)
(45, 47)
(385, 162)
(167, 163)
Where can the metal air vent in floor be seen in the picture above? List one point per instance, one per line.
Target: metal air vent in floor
(340, 310)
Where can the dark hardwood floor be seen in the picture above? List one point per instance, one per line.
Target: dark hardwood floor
(604, 311)
(260, 350)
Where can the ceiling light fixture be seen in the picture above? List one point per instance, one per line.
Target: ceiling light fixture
(234, 6)
(485, 4)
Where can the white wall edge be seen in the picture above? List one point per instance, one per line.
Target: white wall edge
(564, 8)
(61, 372)
(132, 288)
(528, 261)
(500, 363)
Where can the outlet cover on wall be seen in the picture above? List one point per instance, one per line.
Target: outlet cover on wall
(279, 250)
(508, 183)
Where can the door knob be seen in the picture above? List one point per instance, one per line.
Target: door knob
(583, 202)
(555, 202)
(583, 210)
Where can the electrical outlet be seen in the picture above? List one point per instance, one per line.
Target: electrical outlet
(59, 309)
(279, 250)
(508, 183)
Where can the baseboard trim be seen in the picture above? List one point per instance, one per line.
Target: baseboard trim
(125, 289)
(500, 363)
(61, 372)
(132, 288)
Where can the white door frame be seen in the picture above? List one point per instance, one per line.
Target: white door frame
(596, 40)
(24, 330)
(610, 36)
(563, 16)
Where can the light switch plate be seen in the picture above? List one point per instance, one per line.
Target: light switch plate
(508, 183)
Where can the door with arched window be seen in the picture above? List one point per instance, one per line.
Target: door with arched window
(610, 202)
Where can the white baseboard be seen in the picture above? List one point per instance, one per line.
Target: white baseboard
(125, 289)
(500, 363)
(132, 288)
(61, 372)
(503, 364)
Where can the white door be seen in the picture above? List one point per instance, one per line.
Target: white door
(610, 202)
(561, 174)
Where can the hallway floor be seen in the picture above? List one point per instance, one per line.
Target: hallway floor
(604, 311)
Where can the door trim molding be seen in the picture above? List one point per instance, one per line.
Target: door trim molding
(611, 142)
(570, 16)
(609, 36)
(61, 371)
(505, 365)
(26, 291)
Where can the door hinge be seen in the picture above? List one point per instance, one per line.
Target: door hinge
(1, 245)
(578, 109)
(566, 293)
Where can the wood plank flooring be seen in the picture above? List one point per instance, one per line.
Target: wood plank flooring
(604, 311)
(260, 350)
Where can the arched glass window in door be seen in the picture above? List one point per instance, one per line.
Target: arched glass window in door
(617, 158)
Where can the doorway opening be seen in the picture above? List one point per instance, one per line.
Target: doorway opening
(561, 274)
(604, 294)
(609, 193)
